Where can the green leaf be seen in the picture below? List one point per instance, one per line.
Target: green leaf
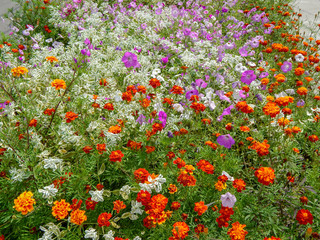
(102, 169)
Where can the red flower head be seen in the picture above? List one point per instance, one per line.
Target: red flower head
(116, 156)
(304, 217)
(103, 219)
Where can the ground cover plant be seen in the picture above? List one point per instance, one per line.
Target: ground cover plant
(159, 120)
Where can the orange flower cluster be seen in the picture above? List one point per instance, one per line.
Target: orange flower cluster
(24, 203)
(214, 146)
(177, 90)
(114, 129)
(116, 156)
(154, 83)
(265, 175)
(180, 231)
(18, 71)
(59, 83)
(198, 107)
(101, 148)
(141, 175)
(283, 121)
(237, 231)
(205, 166)
(200, 208)
(239, 184)
(103, 219)
(78, 216)
(118, 205)
(70, 116)
(271, 109)
(244, 107)
(51, 59)
(244, 129)
(155, 210)
(284, 101)
(185, 179)
(60, 209)
(262, 149)
(134, 145)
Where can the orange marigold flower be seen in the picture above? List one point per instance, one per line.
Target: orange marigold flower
(299, 71)
(18, 71)
(211, 144)
(283, 121)
(103, 219)
(168, 100)
(87, 149)
(49, 111)
(145, 102)
(302, 91)
(115, 129)
(172, 188)
(200, 208)
(271, 109)
(245, 129)
(134, 145)
(70, 116)
(186, 180)
(304, 200)
(272, 238)
(108, 106)
(180, 163)
(59, 83)
(116, 156)
(296, 150)
(206, 121)
(101, 148)
(286, 111)
(205, 166)
(284, 101)
(237, 231)
(175, 205)
(265, 175)
(239, 184)
(126, 96)
(144, 197)
(60, 209)
(220, 186)
(304, 217)
(150, 149)
(262, 149)
(180, 230)
(118, 205)
(33, 123)
(141, 89)
(244, 107)
(51, 59)
(177, 90)
(24, 203)
(78, 216)
(296, 129)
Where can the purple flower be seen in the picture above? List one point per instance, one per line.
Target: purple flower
(87, 41)
(220, 94)
(165, 60)
(141, 119)
(263, 75)
(85, 52)
(226, 111)
(201, 83)
(243, 51)
(118, 48)
(286, 67)
(228, 200)
(226, 140)
(191, 92)
(248, 77)
(300, 103)
(187, 31)
(143, 26)
(130, 60)
(163, 118)
(158, 11)
(170, 134)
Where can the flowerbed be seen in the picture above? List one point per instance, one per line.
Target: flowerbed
(164, 120)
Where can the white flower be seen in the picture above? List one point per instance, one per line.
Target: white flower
(157, 182)
(49, 40)
(91, 233)
(299, 57)
(238, 67)
(145, 187)
(52, 163)
(52, 229)
(97, 195)
(137, 238)
(243, 69)
(18, 174)
(48, 191)
(178, 107)
(109, 235)
(125, 191)
(135, 209)
(227, 175)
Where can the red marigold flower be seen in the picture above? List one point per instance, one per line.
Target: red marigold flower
(205, 166)
(154, 83)
(265, 175)
(175, 205)
(304, 200)
(180, 163)
(200, 208)
(313, 138)
(116, 156)
(33, 123)
(239, 184)
(144, 197)
(103, 219)
(172, 188)
(126, 96)
(200, 228)
(304, 217)
(90, 204)
(101, 148)
(141, 175)
(186, 180)
(49, 111)
(272, 238)
(70, 116)
(108, 106)
(150, 149)
(177, 90)
(180, 231)
(87, 149)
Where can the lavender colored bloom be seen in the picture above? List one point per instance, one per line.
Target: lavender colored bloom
(243, 51)
(187, 31)
(191, 92)
(263, 75)
(300, 103)
(163, 118)
(226, 111)
(226, 140)
(228, 200)
(201, 83)
(220, 94)
(141, 119)
(286, 67)
(158, 11)
(87, 41)
(86, 52)
(165, 60)
(259, 97)
(75, 60)
(224, 10)
(236, 85)
(248, 77)
(118, 48)
(130, 60)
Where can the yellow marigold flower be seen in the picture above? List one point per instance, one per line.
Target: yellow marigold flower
(18, 71)
(78, 216)
(51, 59)
(220, 185)
(59, 83)
(60, 209)
(24, 203)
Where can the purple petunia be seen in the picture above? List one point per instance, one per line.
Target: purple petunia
(286, 67)
(226, 140)
(228, 200)
(201, 83)
(130, 60)
(226, 111)
(163, 118)
(248, 77)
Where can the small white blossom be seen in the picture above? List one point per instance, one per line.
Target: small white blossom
(97, 195)
(52, 163)
(135, 209)
(227, 175)
(109, 235)
(48, 191)
(91, 233)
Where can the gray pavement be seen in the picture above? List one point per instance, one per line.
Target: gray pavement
(4, 6)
